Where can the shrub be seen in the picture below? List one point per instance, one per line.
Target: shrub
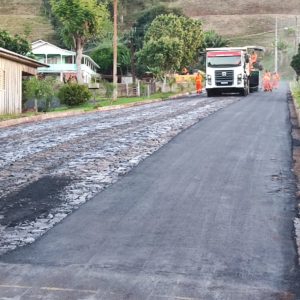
(109, 88)
(73, 94)
(295, 63)
(40, 90)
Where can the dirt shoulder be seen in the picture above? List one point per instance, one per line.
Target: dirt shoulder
(295, 120)
(52, 115)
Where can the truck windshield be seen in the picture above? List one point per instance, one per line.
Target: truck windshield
(224, 61)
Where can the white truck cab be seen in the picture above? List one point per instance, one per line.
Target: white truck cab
(229, 69)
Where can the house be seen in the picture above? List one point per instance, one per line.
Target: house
(62, 62)
(13, 67)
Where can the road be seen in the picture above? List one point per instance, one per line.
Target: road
(207, 216)
(48, 169)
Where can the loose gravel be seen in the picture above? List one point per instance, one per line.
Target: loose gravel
(48, 169)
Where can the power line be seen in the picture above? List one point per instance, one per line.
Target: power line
(264, 32)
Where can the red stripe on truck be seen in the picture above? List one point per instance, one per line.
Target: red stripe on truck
(223, 53)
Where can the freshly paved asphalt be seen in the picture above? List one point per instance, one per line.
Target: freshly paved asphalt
(208, 216)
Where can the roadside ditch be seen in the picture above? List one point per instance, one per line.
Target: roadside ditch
(295, 131)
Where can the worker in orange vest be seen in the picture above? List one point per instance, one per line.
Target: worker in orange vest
(199, 83)
(253, 59)
(267, 82)
(275, 79)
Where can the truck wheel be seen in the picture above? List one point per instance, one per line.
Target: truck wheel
(210, 93)
(243, 92)
(246, 90)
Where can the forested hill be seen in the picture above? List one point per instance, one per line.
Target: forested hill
(230, 17)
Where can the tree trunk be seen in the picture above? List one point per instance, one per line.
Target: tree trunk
(35, 105)
(164, 90)
(133, 71)
(79, 54)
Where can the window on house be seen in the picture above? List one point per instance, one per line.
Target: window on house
(2, 80)
(69, 60)
(53, 60)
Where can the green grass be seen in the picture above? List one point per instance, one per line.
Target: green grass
(17, 116)
(107, 102)
(90, 106)
(295, 87)
(103, 102)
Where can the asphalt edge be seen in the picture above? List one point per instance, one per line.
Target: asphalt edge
(53, 115)
(296, 162)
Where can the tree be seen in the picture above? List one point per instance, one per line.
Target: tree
(171, 43)
(163, 54)
(15, 43)
(210, 40)
(213, 40)
(104, 58)
(142, 24)
(40, 89)
(134, 39)
(295, 63)
(82, 20)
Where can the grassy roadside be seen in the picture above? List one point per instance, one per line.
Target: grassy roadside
(92, 105)
(18, 116)
(295, 89)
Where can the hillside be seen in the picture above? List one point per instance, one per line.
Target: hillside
(239, 17)
(243, 22)
(19, 15)
(252, 22)
(238, 7)
(231, 17)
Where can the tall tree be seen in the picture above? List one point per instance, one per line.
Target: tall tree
(214, 40)
(163, 54)
(104, 58)
(295, 63)
(175, 42)
(144, 21)
(82, 20)
(135, 37)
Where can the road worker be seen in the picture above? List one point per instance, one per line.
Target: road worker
(267, 82)
(199, 83)
(275, 80)
(253, 60)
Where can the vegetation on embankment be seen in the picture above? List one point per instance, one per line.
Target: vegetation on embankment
(295, 89)
(92, 105)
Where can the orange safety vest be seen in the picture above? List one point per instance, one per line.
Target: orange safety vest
(198, 78)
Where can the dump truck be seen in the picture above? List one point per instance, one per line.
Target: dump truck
(233, 70)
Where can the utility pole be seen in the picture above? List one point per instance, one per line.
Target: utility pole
(276, 46)
(115, 47)
(297, 33)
